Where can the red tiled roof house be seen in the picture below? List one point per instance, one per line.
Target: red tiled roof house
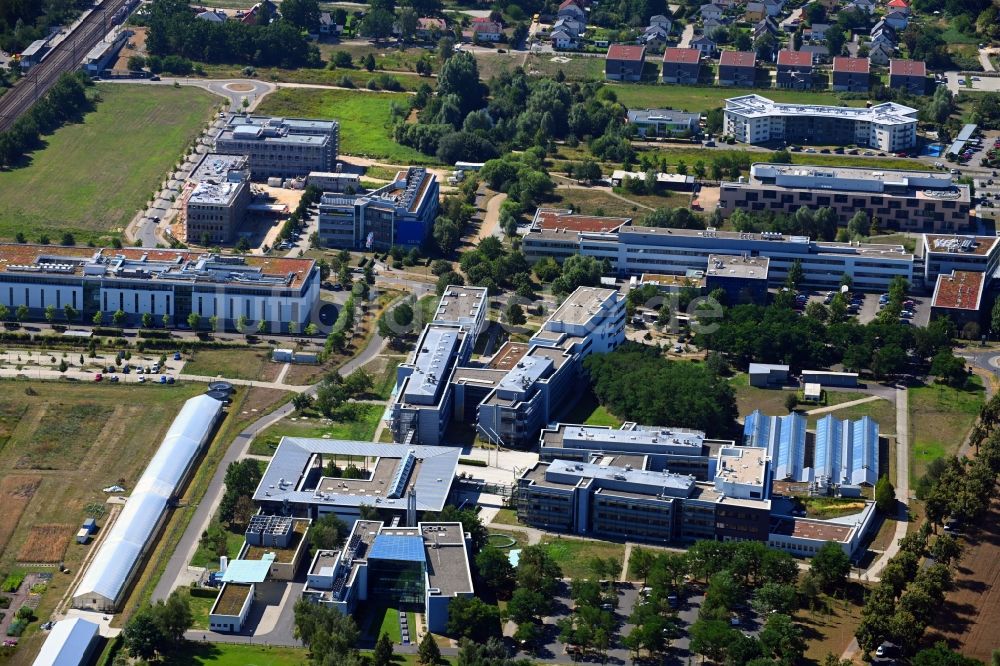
(851, 74)
(681, 65)
(795, 69)
(910, 75)
(624, 62)
(738, 68)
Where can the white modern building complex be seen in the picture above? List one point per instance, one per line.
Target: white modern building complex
(174, 283)
(108, 576)
(901, 199)
(282, 147)
(754, 119)
(216, 199)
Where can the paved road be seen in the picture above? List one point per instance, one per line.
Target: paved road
(206, 508)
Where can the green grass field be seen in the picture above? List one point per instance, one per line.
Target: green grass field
(882, 411)
(238, 654)
(940, 419)
(591, 412)
(705, 98)
(364, 119)
(690, 156)
(205, 558)
(230, 363)
(573, 554)
(92, 177)
(361, 427)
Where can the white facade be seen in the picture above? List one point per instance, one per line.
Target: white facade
(593, 314)
(754, 119)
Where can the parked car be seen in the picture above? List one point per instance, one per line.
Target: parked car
(170, 380)
(98, 377)
(163, 379)
(142, 379)
(113, 379)
(177, 356)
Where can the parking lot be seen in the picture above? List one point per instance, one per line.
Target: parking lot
(867, 306)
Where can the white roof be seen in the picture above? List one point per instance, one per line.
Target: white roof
(67, 643)
(110, 568)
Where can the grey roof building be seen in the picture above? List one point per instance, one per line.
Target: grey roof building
(283, 147)
(294, 481)
(663, 122)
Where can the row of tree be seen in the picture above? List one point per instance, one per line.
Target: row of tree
(65, 101)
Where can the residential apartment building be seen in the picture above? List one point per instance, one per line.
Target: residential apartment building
(664, 122)
(398, 214)
(171, 283)
(624, 62)
(927, 201)
(851, 74)
(282, 147)
(795, 69)
(217, 200)
(681, 65)
(908, 75)
(738, 68)
(754, 119)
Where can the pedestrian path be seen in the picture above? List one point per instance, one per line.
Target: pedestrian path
(842, 405)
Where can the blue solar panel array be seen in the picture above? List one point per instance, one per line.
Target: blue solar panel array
(397, 548)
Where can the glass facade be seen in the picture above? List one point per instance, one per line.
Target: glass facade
(397, 582)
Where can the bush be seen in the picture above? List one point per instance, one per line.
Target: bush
(16, 628)
(12, 582)
(105, 330)
(471, 462)
(154, 333)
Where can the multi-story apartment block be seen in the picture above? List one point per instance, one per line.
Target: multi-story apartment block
(282, 147)
(401, 213)
(624, 62)
(909, 75)
(171, 283)
(681, 65)
(795, 69)
(928, 201)
(851, 74)
(738, 68)
(216, 203)
(754, 119)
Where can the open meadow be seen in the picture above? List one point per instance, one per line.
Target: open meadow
(364, 117)
(92, 177)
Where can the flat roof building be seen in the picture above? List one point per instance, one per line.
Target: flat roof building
(942, 254)
(422, 568)
(400, 213)
(397, 479)
(743, 278)
(282, 147)
(754, 119)
(959, 296)
(784, 437)
(174, 283)
(216, 199)
(664, 122)
(633, 250)
(463, 306)
(846, 452)
(565, 219)
(928, 201)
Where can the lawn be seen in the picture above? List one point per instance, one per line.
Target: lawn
(940, 419)
(230, 363)
(705, 98)
(601, 202)
(92, 177)
(882, 411)
(831, 627)
(832, 507)
(204, 557)
(674, 155)
(201, 602)
(360, 425)
(240, 654)
(93, 455)
(383, 371)
(365, 127)
(506, 517)
(577, 69)
(572, 554)
(749, 398)
(387, 58)
(591, 412)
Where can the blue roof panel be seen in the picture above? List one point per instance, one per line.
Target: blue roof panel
(397, 548)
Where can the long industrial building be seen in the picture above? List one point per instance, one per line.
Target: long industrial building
(784, 438)
(634, 250)
(174, 283)
(110, 573)
(282, 147)
(400, 213)
(925, 201)
(846, 452)
(754, 119)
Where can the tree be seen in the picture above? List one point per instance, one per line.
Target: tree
(995, 318)
(328, 532)
(470, 617)
(831, 565)
(782, 639)
(261, 326)
(98, 318)
(147, 320)
(791, 402)
(165, 319)
(118, 317)
(244, 510)
(406, 23)
(712, 638)
(383, 651)
(173, 617)
(858, 224)
(377, 24)
(341, 60)
(194, 321)
(942, 655)
(242, 478)
(949, 368)
(515, 314)
(21, 313)
(241, 323)
(326, 631)
(771, 597)
(136, 63)
(795, 274)
(301, 13)
(885, 496)
(459, 76)
(67, 239)
(428, 653)
(141, 636)
(50, 313)
(495, 570)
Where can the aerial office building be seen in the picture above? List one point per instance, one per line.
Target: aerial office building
(754, 119)
(401, 214)
(174, 283)
(633, 250)
(217, 198)
(926, 201)
(400, 480)
(422, 567)
(941, 254)
(282, 147)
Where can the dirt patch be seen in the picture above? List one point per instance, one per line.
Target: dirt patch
(15, 493)
(263, 399)
(46, 544)
(971, 612)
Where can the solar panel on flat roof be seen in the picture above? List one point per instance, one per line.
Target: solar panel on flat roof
(397, 548)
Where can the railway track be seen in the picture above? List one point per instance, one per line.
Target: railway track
(65, 57)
